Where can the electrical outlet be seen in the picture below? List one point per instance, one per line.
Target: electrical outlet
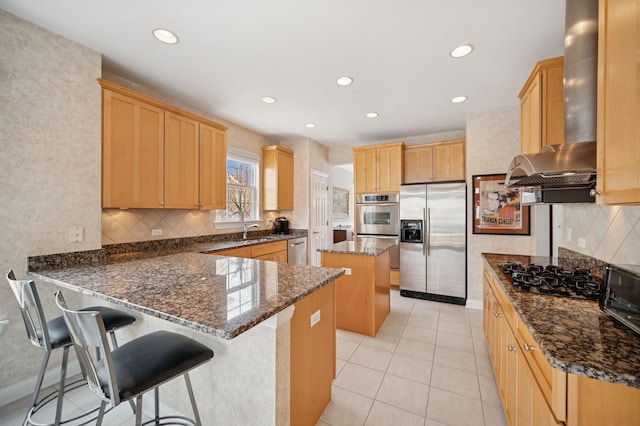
(156, 232)
(582, 242)
(76, 234)
(347, 271)
(315, 317)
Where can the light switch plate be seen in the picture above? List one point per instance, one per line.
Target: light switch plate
(315, 317)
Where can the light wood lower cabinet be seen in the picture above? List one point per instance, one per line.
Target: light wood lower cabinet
(275, 251)
(532, 392)
(362, 298)
(531, 406)
(593, 402)
(313, 355)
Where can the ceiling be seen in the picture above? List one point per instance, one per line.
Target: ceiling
(231, 54)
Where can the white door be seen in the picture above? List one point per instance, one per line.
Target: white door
(319, 236)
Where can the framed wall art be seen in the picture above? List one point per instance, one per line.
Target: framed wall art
(340, 203)
(496, 209)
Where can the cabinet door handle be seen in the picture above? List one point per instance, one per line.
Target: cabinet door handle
(511, 348)
(497, 314)
(486, 293)
(529, 348)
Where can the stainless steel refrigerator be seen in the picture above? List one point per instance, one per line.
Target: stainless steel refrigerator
(433, 254)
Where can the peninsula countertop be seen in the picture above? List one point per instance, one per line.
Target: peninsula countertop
(219, 295)
(574, 335)
(367, 247)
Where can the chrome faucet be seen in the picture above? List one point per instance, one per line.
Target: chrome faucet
(246, 228)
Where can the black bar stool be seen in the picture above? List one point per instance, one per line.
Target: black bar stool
(134, 368)
(54, 334)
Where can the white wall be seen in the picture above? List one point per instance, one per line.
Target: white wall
(308, 155)
(493, 139)
(50, 176)
(343, 178)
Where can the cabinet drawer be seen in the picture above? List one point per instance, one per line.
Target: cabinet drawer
(234, 252)
(552, 382)
(268, 248)
(280, 256)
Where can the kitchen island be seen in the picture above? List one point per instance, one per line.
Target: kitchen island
(244, 309)
(563, 355)
(363, 293)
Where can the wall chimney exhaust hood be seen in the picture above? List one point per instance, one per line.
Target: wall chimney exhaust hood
(567, 172)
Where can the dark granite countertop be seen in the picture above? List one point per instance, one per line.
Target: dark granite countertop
(574, 335)
(365, 247)
(218, 295)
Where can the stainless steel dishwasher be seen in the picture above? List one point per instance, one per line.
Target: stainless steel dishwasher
(297, 251)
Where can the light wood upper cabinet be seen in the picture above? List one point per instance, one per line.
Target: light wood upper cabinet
(618, 102)
(277, 178)
(181, 155)
(157, 156)
(378, 168)
(435, 162)
(365, 170)
(132, 153)
(418, 164)
(542, 106)
(212, 168)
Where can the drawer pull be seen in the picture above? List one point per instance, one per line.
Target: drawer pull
(486, 293)
(529, 348)
(511, 348)
(497, 314)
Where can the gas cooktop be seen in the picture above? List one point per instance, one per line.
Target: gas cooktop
(553, 280)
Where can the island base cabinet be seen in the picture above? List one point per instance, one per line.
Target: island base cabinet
(594, 402)
(363, 296)
(313, 355)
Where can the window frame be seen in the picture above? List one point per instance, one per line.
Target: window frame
(244, 156)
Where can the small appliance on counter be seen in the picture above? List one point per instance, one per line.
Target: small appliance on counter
(281, 225)
(621, 296)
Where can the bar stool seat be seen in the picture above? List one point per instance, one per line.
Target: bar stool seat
(54, 334)
(113, 320)
(136, 367)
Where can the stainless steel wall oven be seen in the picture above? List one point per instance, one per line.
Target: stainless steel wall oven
(377, 217)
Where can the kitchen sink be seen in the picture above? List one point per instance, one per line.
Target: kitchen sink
(262, 239)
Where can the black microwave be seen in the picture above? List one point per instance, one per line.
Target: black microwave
(621, 295)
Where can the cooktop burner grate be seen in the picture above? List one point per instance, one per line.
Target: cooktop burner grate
(553, 280)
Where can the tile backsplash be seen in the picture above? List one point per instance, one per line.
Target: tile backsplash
(608, 233)
(131, 225)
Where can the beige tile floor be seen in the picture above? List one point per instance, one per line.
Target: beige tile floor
(427, 366)
(76, 401)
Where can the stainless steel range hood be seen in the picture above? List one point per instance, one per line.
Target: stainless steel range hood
(572, 165)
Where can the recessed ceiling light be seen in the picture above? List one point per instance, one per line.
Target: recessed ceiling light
(344, 81)
(269, 100)
(372, 114)
(459, 99)
(310, 125)
(461, 51)
(165, 36)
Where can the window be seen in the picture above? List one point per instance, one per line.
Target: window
(242, 188)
